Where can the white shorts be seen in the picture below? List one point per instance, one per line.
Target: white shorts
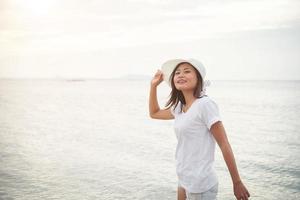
(210, 194)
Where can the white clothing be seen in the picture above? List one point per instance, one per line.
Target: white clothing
(196, 145)
(210, 194)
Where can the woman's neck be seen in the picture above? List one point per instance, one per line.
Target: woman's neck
(189, 97)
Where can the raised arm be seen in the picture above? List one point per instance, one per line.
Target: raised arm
(154, 110)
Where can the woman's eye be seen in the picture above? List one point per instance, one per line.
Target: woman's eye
(176, 73)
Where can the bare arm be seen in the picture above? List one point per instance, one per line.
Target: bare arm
(218, 131)
(154, 110)
(153, 103)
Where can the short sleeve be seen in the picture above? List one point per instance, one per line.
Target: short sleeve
(210, 112)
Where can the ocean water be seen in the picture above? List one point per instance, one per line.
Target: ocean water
(94, 139)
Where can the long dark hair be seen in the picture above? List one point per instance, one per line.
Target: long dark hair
(176, 95)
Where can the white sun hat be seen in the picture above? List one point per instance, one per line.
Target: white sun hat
(168, 67)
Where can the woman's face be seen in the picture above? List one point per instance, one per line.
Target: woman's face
(185, 77)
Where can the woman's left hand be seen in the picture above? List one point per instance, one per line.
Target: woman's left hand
(240, 191)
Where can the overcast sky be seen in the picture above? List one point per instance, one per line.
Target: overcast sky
(235, 39)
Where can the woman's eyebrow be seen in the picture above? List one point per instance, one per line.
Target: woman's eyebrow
(183, 69)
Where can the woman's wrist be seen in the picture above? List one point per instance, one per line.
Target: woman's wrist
(237, 182)
(153, 86)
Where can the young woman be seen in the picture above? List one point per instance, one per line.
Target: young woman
(198, 127)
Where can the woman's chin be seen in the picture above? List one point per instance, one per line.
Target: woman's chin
(182, 87)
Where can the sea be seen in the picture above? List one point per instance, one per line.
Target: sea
(93, 139)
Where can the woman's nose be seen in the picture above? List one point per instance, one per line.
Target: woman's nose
(181, 75)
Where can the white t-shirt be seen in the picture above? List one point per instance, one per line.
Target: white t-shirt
(195, 149)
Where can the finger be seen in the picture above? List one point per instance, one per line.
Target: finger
(158, 73)
(248, 194)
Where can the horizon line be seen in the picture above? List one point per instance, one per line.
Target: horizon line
(128, 78)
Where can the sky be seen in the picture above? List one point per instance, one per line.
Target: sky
(235, 39)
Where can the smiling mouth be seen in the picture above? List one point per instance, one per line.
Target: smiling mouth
(181, 81)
